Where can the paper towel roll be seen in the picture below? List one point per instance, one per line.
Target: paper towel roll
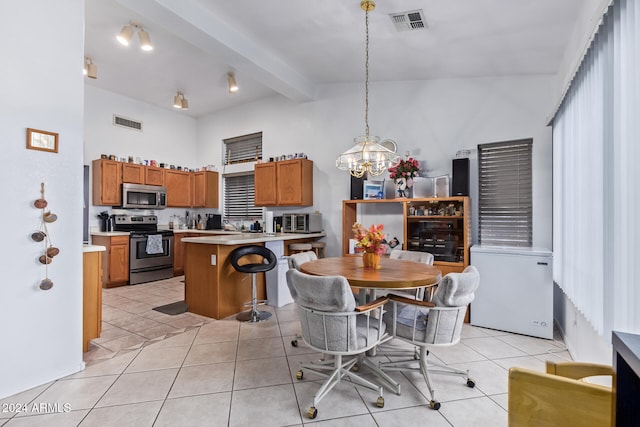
(268, 222)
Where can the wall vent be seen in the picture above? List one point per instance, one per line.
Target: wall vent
(409, 21)
(127, 123)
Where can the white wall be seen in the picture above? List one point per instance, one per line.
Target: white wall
(168, 136)
(431, 119)
(42, 88)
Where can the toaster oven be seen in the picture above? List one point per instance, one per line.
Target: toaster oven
(302, 223)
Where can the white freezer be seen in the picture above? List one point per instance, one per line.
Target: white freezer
(516, 290)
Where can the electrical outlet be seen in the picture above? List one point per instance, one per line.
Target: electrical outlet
(213, 260)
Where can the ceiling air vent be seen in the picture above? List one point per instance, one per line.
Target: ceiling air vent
(127, 123)
(409, 21)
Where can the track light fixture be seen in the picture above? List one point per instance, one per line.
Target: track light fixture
(90, 69)
(233, 85)
(180, 102)
(125, 35)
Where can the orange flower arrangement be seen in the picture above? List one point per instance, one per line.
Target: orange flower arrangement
(371, 240)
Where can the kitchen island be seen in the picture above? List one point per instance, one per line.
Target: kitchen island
(213, 288)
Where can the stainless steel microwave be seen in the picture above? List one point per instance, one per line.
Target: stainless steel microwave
(302, 222)
(136, 196)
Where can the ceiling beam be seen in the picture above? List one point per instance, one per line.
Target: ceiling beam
(197, 25)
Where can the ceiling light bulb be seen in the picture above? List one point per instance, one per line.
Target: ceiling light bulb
(145, 40)
(185, 104)
(177, 100)
(124, 37)
(233, 86)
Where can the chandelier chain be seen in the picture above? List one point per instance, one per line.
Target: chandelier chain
(366, 75)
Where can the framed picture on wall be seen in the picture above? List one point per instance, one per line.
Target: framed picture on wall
(42, 140)
(373, 190)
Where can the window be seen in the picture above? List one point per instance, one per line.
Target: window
(596, 176)
(241, 149)
(239, 186)
(239, 192)
(505, 206)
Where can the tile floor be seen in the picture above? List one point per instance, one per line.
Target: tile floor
(153, 369)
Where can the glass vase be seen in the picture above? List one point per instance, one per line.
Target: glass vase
(371, 260)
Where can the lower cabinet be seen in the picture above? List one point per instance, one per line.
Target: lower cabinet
(178, 252)
(91, 297)
(115, 259)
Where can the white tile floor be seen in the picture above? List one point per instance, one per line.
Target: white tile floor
(188, 370)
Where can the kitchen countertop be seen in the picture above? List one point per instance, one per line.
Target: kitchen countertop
(93, 248)
(175, 231)
(110, 233)
(247, 238)
(214, 232)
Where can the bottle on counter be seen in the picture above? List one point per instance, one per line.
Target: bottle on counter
(171, 222)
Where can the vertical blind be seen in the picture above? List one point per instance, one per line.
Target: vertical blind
(505, 206)
(596, 183)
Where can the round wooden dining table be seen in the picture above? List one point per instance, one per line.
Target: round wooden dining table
(392, 274)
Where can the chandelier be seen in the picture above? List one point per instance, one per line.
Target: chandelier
(367, 155)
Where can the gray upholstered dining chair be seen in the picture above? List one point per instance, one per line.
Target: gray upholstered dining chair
(415, 256)
(437, 323)
(294, 261)
(333, 325)
(297, 259)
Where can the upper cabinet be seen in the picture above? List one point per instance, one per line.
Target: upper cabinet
(184, 189)
(132, 173)
(153, 176)
(205, 189)
(284, 183)
(107, 180)
(178, 184)
(264, 178)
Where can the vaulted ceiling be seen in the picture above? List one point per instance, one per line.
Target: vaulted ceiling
(291, 47)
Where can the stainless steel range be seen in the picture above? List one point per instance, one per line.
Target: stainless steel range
(150, 250)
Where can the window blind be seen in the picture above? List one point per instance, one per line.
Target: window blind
(505, 206)
(246, 148)
(239, 193)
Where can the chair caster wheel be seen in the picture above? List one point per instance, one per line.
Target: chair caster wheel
(299, 375)
(380, 402)
(312, 412)
(471, 383)
(434, 404)
(294, 343)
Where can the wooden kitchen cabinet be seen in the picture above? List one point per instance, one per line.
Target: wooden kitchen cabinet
(205, 189)
(178, 251)
(132, 173)
(153, 176)
(284, 183)
(264, 178)
(115, 259)
(107, 180)
(178, 184)
(91, 297)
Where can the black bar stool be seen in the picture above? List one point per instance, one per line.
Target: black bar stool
(268, 262)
